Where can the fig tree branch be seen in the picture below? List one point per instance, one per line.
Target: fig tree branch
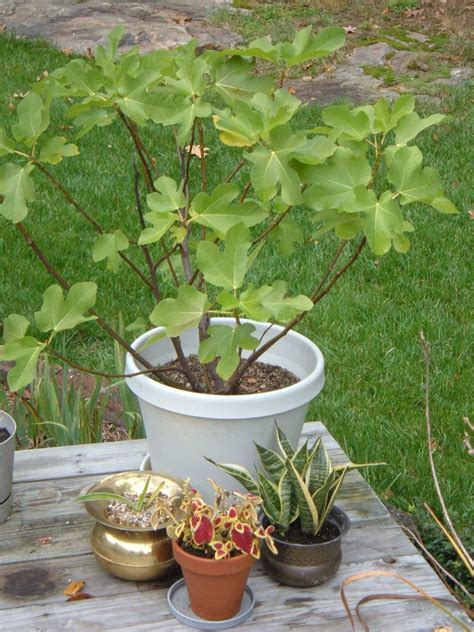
(140, 149)
(88, 217)
(66, 286)
(253, 357)
(145, 249)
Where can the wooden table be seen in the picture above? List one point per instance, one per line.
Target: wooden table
(45, 544)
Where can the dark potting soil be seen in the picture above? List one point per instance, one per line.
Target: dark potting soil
(259, 377)
(4, 434)
(296, 536)
(206, 553)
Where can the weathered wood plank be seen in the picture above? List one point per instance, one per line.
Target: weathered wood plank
(106, 458)
(97, 458)
(46, 484)
(378, 540)
(48, 509)
(279, 607)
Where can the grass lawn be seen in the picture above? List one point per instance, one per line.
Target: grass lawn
(367, 328)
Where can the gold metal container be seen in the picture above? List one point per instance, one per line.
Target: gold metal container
(134, 553)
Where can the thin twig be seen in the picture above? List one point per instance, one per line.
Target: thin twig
(236, 170)
(245, 191)
(140, 150)
(66, 286)
(104, 374)
(316, 297)
(271, 226)
(202, 157)
(88, 217)
(419, 542)
(145, 249)
(234, 380)
(454, 535)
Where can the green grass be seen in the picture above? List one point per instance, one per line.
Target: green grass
(367, 328)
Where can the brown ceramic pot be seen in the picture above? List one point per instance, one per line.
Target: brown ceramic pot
(215, 587)
(304, 565)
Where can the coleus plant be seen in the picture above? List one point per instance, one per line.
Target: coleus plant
(220, 530)
(355, 176)
(295, 486)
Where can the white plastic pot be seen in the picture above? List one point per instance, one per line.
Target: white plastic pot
(182, 427)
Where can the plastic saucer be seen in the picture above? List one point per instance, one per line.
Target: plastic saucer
(178, 602)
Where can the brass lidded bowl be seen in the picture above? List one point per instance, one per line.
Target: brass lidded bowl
(134, 553)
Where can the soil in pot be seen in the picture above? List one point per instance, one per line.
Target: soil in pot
(4, 435)
(294, 535)
(260, 377)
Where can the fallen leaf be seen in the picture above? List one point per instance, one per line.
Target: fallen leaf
(3, 28)
(195, 150)
(79, 596)
(471, 214)
(385, 11)
(292, 90)
(350, 29)
(45, 539)
(74, 587)
(307, 78)
(435, 137)
(387, 493)
(67, 51)
(182, 20)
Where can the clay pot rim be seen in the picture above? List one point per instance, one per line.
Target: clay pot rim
(343, 524)
(207, 563)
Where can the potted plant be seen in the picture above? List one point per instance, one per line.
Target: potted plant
(7, 456)
(299, 488)
(223, 361)
(216, 545)
(129, 537)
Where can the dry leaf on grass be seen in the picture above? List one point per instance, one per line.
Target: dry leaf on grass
(471, 214)
(292, 90)
(74, 587)
(183, 20)
(195, 150)
(350, 29)
(45, 539)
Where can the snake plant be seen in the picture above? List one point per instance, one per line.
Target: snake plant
(294, 485)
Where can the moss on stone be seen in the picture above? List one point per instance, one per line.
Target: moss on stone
(384, 73)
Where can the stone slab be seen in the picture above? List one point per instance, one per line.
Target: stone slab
(80, 25)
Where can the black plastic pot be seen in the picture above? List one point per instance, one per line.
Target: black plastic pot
(304, 565)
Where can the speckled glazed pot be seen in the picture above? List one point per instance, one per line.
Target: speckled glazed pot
(215, 587)
(304, 565)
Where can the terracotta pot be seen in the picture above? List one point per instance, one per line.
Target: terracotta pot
(215, 587)
(305, 565)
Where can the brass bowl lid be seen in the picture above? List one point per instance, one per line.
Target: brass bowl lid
(132, 482)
